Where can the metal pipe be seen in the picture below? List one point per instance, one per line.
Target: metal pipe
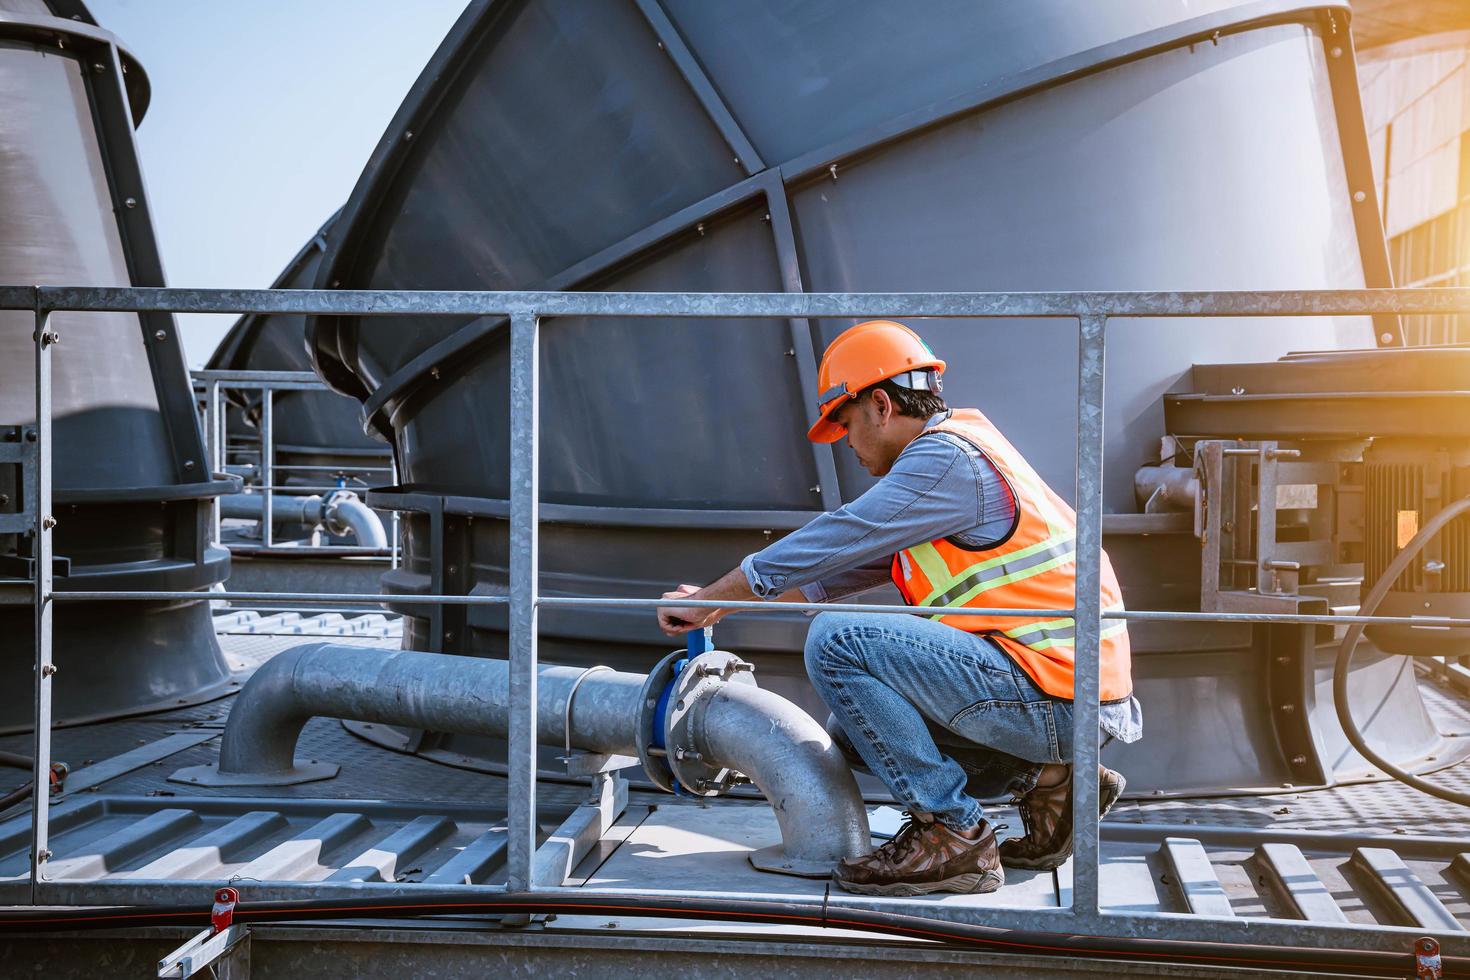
(794, 762)
(1161, 489)
(303, 511)
(341, 512)
(345, 513)
(760, 734)
(468, 695)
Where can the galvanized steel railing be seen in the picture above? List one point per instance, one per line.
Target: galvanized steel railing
(211, 383)
(1092, 310)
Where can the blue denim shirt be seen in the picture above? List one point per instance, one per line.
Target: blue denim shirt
(940, 486)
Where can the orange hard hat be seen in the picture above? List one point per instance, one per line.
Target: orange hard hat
(864, 355)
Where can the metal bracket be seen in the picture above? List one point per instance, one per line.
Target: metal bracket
(222, 949)
(1243, 567)
(18, 450)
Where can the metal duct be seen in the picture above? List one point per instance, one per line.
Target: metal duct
(717, 721)
(131, 484)
(838, 145)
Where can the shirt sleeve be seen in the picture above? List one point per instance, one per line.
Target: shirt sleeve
(930, 493)
(850, 582)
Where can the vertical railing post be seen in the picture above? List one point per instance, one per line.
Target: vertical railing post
(214, 431)
(41, 553)
(268, 466)
(1088, 602)
(393, 518)
(524, 511)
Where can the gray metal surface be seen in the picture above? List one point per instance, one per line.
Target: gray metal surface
(128, 470)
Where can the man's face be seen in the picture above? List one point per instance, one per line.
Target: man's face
(867, 422)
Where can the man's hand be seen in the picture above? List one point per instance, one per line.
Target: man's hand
(677, 620)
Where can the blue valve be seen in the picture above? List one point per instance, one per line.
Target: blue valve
(701, 641)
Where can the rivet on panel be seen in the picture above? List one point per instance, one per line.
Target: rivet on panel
(160, 335)
(131, 202)
(1359, 197)
(1385, 338)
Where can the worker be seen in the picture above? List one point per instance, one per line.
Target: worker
(944, 708)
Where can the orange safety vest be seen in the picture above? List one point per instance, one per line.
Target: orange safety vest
(1035, 567)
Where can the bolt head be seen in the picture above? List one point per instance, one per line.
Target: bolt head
(131, 202)
(1359, 197)
(160, 335)
(1385, 338)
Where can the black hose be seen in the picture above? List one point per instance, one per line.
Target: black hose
(952, 934)
(20, 793)
(1350, 644)
(16, 761)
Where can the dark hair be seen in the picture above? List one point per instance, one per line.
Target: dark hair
(907, 401)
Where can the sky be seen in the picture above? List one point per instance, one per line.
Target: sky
(263, 115)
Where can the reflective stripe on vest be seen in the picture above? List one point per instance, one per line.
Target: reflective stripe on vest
(953, 590)
(1034, 568)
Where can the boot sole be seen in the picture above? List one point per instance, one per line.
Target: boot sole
(979, 883)
(1107, 796)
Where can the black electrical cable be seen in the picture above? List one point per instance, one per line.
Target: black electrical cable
(951, 934)
(1350, 644)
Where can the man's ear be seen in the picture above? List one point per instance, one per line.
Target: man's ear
(882, 405)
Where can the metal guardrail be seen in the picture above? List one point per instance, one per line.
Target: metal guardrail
(211, 383)
(1091, 310)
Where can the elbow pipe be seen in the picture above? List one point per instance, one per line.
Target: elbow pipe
(469, 695)
(341, 512)
(793, 761)
(730, 727)
(345, 513)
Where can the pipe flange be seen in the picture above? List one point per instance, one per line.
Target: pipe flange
(653, 758)
(699, 680)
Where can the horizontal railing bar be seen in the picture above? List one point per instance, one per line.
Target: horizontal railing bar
(346, 598)
(222, 375)
(764, 305)
(288, 489)
(284, 385)
(1132, 615)
(1148, 615)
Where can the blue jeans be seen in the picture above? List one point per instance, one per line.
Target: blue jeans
(940, 715)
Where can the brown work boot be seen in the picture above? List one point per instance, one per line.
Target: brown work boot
(926, 856)
(1046, 815)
